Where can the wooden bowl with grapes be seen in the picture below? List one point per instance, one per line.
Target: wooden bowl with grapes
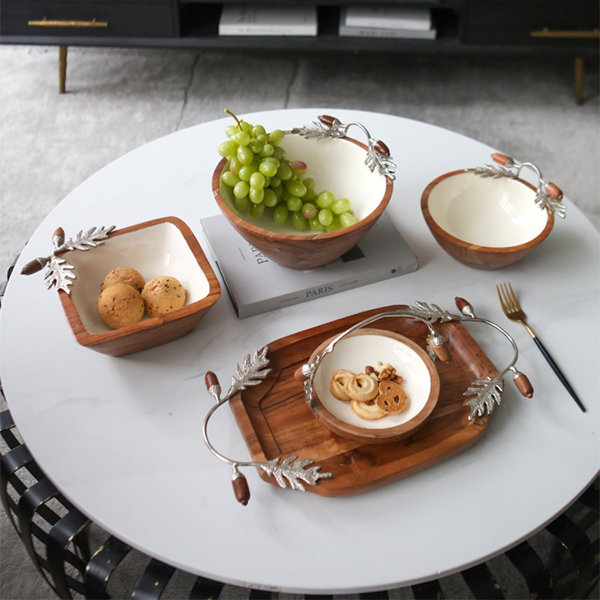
(301, 201)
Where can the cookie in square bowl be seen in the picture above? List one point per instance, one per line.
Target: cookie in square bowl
(163, 247)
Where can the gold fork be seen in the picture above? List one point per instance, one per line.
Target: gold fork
(512, 309)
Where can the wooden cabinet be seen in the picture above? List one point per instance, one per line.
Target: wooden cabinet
(96, 20)
(560, 24)
(557, 27)
(464, 27)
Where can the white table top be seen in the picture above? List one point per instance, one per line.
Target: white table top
(121, 437)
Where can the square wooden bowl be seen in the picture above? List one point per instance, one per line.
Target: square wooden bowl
(164, 246)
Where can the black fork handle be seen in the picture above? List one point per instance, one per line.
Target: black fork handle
(558, 372)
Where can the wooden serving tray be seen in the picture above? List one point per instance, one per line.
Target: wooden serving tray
(275, 420)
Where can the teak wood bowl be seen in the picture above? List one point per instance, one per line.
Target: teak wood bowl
(336, 165)
(484, 222)
(160, 247)
(365, 347)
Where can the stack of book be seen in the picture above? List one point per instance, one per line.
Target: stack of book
(387, 21)
(257, 284)
(243, 19)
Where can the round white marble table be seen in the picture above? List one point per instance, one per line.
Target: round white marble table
(121, 437)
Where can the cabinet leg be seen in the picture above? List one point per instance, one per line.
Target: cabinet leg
(578, 73)
(62, 69)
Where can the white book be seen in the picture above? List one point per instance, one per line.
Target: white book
(243, 19)
(256, 284)
(417, 34)
(388, 17)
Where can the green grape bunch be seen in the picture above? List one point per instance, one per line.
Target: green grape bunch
(263, 179)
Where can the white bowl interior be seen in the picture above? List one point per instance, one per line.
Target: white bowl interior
(336, 165)
(497, 213)
(357, 351)
(157, 250)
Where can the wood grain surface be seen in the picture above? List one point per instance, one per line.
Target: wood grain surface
(303, 250)
(152, 332)
(473, 255)
(275, 420)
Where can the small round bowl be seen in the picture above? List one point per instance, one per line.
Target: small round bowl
(484, 222)
(337, 165)
(365, 347)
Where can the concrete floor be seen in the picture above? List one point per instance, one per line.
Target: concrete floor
(119, 99)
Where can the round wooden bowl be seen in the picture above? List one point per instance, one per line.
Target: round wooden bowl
(484, 222)
(365, 347)
(336, 165)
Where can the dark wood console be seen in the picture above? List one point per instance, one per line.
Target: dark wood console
(464, 27)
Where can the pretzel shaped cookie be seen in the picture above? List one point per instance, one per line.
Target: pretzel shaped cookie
(373, 394)
(362, 387)
(367, 410)
(337, 385)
